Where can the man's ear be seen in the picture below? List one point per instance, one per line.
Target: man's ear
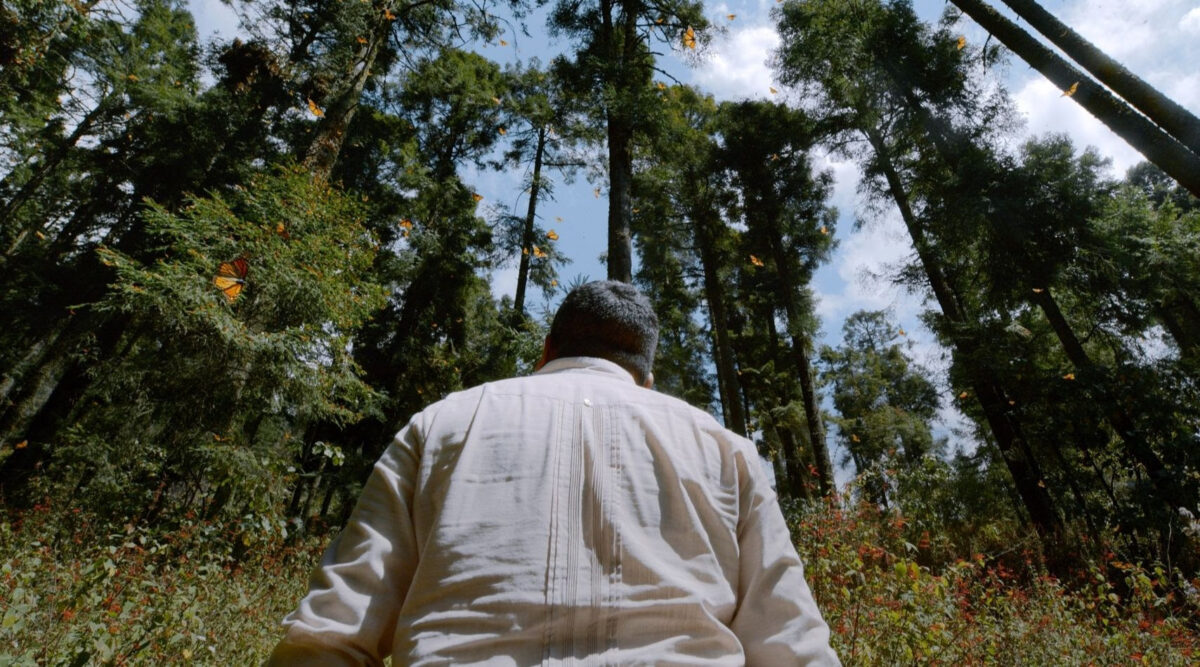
(548, 354)
(649, 381)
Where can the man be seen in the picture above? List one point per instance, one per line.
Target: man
(571, 516)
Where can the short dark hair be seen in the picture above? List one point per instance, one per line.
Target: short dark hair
(607, 319)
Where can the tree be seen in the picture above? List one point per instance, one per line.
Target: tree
(884, 403)
(1159, 147)
(614, 63)
(680, 191)
(140, 73)
(766, 147)
(879, 91)
(1165, 112)
(542, 130)
(217, 371)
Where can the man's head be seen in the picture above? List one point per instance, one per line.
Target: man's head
(610, 320)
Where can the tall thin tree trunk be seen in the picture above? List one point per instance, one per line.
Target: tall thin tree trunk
(714, 293)
(1014, 451)
(794, 461)
(1160, 148)
(786, 290)
(527, 233)
(621, 121)
(620, 197)
(1165, 112)
(42, 385)
(33, 356)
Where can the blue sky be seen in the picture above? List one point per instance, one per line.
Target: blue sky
(1157, 39)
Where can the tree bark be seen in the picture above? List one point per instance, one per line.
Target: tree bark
(1165, 112)
(794, 461)
(33, 356)
(620, 198)
(621, 123)
(1158, 147)
(18, 418)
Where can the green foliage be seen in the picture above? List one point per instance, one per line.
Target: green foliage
(884, 404)
(207, 375)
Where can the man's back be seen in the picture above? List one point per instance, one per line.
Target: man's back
(565, 516)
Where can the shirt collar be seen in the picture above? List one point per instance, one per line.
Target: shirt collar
(587, 364)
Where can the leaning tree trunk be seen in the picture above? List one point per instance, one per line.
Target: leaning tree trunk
(1017, 456)
(1165, 112)
(1121, 421)
(1158, 147)
(41, 386)
(32, 357)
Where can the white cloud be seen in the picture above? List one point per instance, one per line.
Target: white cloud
(737, 65)
(1185, 90)
(1047, 110)
(1191, 22)
(1118, 29)
(860, 275)
(845, 178)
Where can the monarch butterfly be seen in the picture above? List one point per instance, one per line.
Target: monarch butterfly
(231, 277)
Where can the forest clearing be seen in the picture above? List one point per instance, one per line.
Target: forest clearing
(236, 262)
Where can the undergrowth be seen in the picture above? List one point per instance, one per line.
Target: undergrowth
(76, 592)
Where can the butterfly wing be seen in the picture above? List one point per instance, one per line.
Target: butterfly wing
(231, 277)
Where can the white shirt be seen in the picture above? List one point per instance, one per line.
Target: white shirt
(566, 517)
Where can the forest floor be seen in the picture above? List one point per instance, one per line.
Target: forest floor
(74, 594)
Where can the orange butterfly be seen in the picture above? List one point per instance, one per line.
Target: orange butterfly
(231, 277)
(689, 38)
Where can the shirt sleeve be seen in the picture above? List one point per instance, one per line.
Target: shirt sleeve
(354, 597)
(777, 620)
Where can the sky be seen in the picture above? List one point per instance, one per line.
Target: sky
(1157, 39)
